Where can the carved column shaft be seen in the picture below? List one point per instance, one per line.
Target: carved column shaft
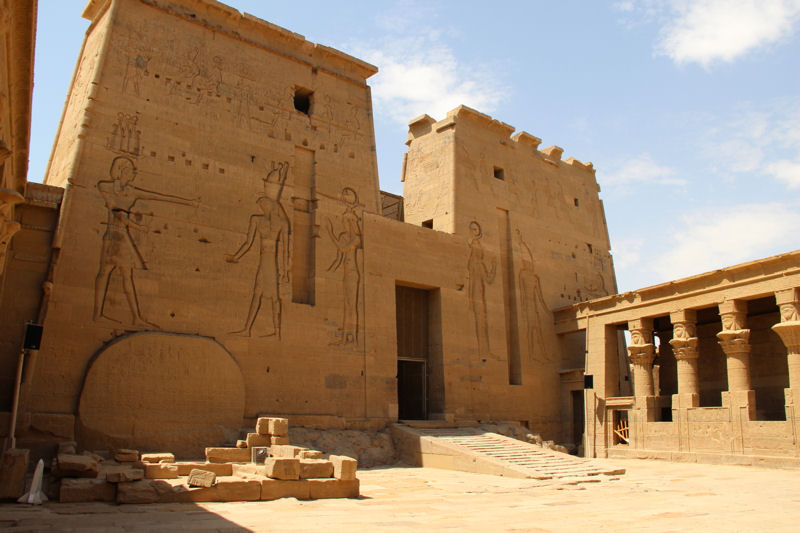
(735, 342)
(684, 346)
(642, 352)
(789, 331)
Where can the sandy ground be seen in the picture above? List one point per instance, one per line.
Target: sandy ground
(651, 496)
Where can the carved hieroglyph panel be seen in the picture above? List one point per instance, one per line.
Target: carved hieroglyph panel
(161, 392)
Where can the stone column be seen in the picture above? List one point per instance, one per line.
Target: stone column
(684, 346)
(642, 352)
(788, 329)
(735, 342)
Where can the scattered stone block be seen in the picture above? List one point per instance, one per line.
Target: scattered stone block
(96, 456)
(333, 488)
(282, 468)
(310, 454)
(249, 470)
(343, 467)
(158, 458)
(144, 491)
(220, 469)
(126, 456)
(86, 490)
(125, 476)
(256, 439)
(201, 478)
(69, 447)
(68, 465)
(315, 468)
(160, 471)
(226, 490)
(262, 426)
(227, 455)
(278, 427)
(279, 450)
(273, 489)
(278, 441)
(241, 444)
(12, 473)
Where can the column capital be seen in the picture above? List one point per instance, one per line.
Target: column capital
(734, 337)
(683, 315)
(684, 334)
(789, 304)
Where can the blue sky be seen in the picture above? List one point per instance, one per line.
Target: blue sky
(689, 110)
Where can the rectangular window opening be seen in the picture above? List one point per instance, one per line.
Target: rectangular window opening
(499, 174)
(302, 100)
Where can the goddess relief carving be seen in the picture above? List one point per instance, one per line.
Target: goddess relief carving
(270, 231)
(119, 252)
(530, 288)
(348, 242)
(479, 275)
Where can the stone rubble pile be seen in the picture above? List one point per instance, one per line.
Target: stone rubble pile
(264, 466)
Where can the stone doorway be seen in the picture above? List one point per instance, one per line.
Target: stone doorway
(411, 394)
(413, 351)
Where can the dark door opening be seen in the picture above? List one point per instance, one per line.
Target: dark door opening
(577, 418)
(411, 390)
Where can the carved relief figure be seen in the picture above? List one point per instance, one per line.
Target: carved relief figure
(270, 230)
(125, 137)
(530, 289)
(119, 251)
(479, 276)
(348, 243)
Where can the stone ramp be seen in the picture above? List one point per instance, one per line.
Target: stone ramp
(474, 450)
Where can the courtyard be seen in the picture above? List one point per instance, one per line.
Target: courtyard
(651, 496)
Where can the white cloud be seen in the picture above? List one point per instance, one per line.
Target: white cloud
(641, 169)
(420, 72)
(706, 31)
(787, 172)
(709, 238)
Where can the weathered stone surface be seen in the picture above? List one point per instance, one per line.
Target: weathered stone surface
(201, 478)
(144, 491)
(282, 468)
(163, 457)
(310, 454)
(272, 489)
(156, 402)
(86, 490)
(343, 467)
(315, 468)
(249, 470)
(278, 441)
(69, 447)
(160, 471)
(59, 425)
(285, 451)
(220, 469)
(12, 473)
(332, 488)
(225, 490)
(125, 476)
(278, 427)
(68, 465)
(126, 456)
(262, 426)
(256, 439)
(227, 455)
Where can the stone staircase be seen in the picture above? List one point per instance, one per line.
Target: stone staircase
(474, 450)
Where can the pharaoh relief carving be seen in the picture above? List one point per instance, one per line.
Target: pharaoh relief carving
(136, 55)
(348, 242)
(534, 307)
(269, 231)
(120, 252)
(480, 275)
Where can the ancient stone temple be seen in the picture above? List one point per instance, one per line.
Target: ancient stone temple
(211, 246)
(221, 252)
